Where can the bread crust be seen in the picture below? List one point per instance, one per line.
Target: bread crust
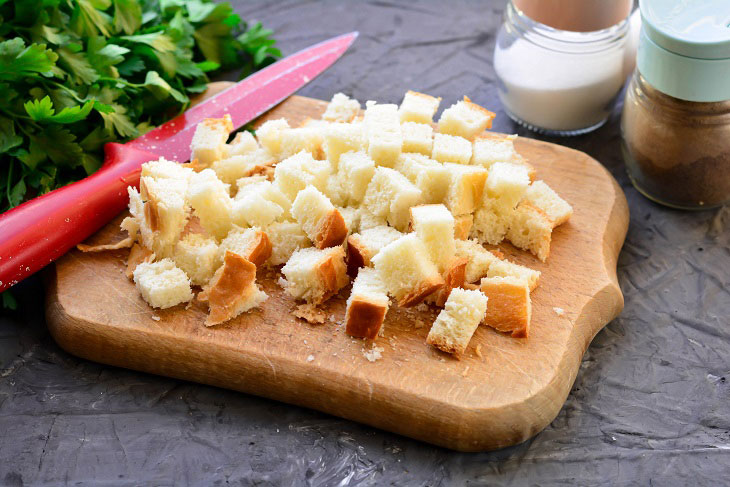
(137, 254)
(462, 226)
(331, 277)
(357, 256)
(122, 244)
(454, 276)
(420, 291)
(364, 317)
(441, 343)
(480, 108)
(260, 249)
(509, 309)
(232, 284)
(331, 230)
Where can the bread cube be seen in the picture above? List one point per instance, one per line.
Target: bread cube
(368, 219)
(363, 246)
(251, 207)
(510, 309)
(418, 107)
(340, 138)
(356, 169)
(462, 226)
(383, 130)
(431, 177)
(209, 198)
(308, 139)
(489, 148)
(531, 229)
(505, 268)
(454, 276)
(335, 190)
(164, 214)
(407, 271)
(162, 284)
(164, 169)
(250, 243)
(299, 171)
(268, 191)
(286, 238)
(479, 259)
(233, 168)
(315, 275)
(466, 187)
(434, 225)
(232, 290)
(506, 184)
(320, 220)
(542, 196)
(391, 195)
(451, 148)
(366, 306)
(490, 223)
(269, 135)
(465, 119)
(351, 215)
(417, 137)
(341, 109)
(457, 322)
(137, 254)
(243, 143)
(209, 140)
(198, 257)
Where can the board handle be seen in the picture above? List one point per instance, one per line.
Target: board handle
(41, 230)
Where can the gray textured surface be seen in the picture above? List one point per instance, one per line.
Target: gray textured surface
(650, 406)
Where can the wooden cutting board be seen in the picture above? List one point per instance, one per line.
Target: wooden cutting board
(499, 397)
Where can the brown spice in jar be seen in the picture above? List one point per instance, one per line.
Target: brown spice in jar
(678, 152)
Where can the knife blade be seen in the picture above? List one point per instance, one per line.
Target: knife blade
(40, 230)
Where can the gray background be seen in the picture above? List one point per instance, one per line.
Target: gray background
(650, 406)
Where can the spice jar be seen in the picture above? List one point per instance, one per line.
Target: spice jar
(561, 64)
(676, 118)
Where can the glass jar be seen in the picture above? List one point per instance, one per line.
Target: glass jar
(559, 82)
(675, 125)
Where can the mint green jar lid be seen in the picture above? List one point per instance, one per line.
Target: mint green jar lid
(684, 48)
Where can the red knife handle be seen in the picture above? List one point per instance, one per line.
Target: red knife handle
(41, 230)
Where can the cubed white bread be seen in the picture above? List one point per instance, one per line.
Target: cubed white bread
(382, 127)
(490, 223)
(356, 169)
(380, 115)
(544, 197)
(235, 167)
(466, 187)
(457, 322)
(130, 225)
(430, 176)
(454, 277)
(198, 257)
(243, 143)
(314, 275)
(491, 147)
(451, 148)
(417, 137)
(335, 190)
(299, 171)
(418, 107)
(308, 139)
(209, 140)
(340, 138)
(462, 226)
(320, 220)
(164, 169)
(363, 246)
(407, 271)
(505, 268)
(506, 184)
(479, 259)
(162, 284)
(351, 215)
(367, 305)
(252, 244)
(465, 119)
(313, 122)
(510, 308)
(165, 213)
(391, 195)
(232, 290)
(367, 219)
(269, 135)
(252, 208)
(209, 198)
(434, 225)
(531, 229)
(341, 109)
(286, 238)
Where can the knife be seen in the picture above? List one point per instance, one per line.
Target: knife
(41, 230)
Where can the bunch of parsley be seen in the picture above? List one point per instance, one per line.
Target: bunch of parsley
(75, 74)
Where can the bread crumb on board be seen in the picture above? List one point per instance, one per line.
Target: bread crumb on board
(310, 313)
(559, 311)
(478, 351)
(155, 317)
(465, 372)
(375, 353)
(310, 358)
